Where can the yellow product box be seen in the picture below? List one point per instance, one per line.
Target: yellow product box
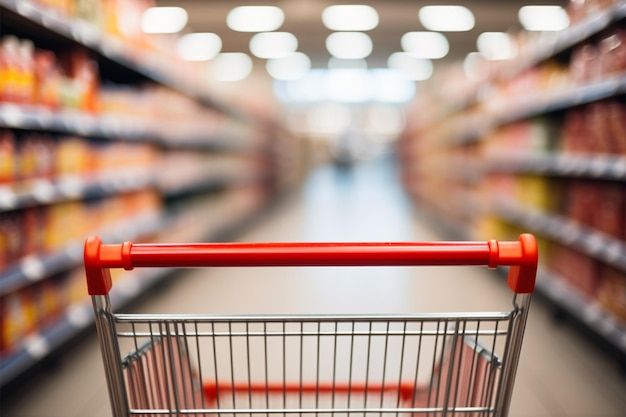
(538, 192)
(490, 227)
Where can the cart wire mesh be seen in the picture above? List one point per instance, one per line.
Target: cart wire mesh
(329, 366)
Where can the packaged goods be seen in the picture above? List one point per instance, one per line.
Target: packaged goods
(579, 270)
(609, 214)
(595, 128)
(10, 69)
(612, 292)
(612, 49)
(72, 156)
(35, 157)
(616, 121)
(19, 316)
(30, 309)
(575, 137)
(599, 205)
(47, 80)
(7, 157)
(11, 237)
(539, 192)
(33, 224)
(579, 201)
(14, 318)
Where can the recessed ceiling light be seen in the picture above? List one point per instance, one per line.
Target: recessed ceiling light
(447, 18)
(231, 66)
(413, 68)
(293, 67)
(255, 18)
(353, 17)
(349, 45)
(543, 18)
(346, 86)
(270, 45)
(199, 46)
(163, 20)
(496, 45)
(429, 45)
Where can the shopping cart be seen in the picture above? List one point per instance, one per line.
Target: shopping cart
(460, 364)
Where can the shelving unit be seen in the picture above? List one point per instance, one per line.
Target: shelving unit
(587, 240)
(526, 107)
(511, 153)
(148, 65)
(606, 167)
(107, 127)
(198, 178)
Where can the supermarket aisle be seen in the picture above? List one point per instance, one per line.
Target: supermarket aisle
(561, 374)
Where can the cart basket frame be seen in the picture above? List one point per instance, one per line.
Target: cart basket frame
(520, 256)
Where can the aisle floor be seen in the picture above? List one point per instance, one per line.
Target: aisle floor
(561, 374)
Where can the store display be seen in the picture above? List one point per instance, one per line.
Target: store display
(102, 133)
(540, 143)
(611, 292)
(39, 77)
(48, 228)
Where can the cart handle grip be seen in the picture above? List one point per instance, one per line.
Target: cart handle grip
(520, 255)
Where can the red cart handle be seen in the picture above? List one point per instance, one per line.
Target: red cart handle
(521, 256)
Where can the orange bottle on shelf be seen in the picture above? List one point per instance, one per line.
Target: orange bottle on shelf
(7, 157)
(9, 51)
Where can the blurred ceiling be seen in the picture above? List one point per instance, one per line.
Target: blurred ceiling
(303, 19)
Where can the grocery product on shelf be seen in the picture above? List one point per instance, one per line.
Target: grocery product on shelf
(48, 228)
(611, 292)
(595, 128)
(67, 79)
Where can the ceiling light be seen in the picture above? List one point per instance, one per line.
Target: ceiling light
(199, 46)
(496, 45)
(352, 17)
(255, 18)
(232, 66)
(293, 67)
(543, 18)
(412, 68)
(447, 18)
(349, 45)
(347, 86)
(268, 45)
(340, 63)
(163, 19)
(429, 45)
